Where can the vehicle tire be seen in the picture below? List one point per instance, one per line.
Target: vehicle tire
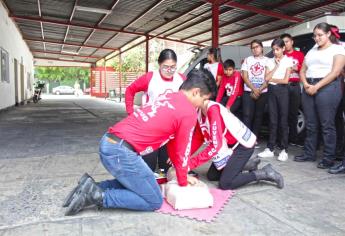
(301, 125)
(57, 92)
(35, 98)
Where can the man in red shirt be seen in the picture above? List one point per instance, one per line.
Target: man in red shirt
(231, 88)
(294, 87)
(170, 120)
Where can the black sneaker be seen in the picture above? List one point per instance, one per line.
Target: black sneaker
(296, 144)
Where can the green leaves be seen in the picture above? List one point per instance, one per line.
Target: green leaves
(67, 74)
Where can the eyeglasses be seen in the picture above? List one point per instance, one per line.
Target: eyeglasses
(168, 69)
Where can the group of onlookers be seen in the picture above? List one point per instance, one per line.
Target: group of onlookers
(284, 82)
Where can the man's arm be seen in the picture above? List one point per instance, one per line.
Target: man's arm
(180, 148)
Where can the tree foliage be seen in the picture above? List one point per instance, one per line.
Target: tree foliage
(59, 74)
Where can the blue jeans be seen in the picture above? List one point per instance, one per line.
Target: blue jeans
(320, 110)
(135, 186)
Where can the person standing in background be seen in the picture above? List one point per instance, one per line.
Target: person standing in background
(294, 87)
(277, 75)
(255, 89)
(231, 88)
(214, 64)
(320, 75)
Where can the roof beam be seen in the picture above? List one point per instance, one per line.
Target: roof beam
(67, 44)
(312, 7)
(64, 54)
(60, 22)
(147, 10)
(70, 20)
(263, 12)
(173, 19)
(40, 15)
(56, 59)
(260, 33)
(239, 19)
(115, 2)
(178, 17)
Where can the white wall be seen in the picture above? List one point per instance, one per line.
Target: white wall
(11, 40)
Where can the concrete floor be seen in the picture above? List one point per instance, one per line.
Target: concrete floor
(46, 147)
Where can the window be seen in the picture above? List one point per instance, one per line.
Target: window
(5, 66)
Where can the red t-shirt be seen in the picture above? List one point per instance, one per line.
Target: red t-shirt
(297, 59)
(232, 86)
(171, 118)
(214, 135)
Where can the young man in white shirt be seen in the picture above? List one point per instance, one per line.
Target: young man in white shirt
(294, 88)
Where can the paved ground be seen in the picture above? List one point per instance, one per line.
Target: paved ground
(45, 147)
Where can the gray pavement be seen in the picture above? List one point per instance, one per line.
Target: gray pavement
(46, 147)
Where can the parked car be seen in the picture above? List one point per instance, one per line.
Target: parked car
(63, 90)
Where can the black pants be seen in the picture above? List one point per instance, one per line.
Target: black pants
(236, 106)
(159, 157)
(278, 107)
(321, 109)
(339, 126)
(231, 176)
(294, 103)
(253, 111)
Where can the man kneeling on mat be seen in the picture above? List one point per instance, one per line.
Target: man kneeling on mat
(170, 120)
(230, 147)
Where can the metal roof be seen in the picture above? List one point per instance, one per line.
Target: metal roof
(88, 30)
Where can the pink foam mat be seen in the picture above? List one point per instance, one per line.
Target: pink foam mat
(220, 197)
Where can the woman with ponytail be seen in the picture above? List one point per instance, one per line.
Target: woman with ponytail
(322, 93)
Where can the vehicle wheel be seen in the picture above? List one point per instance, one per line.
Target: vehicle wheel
(57, 92)
(35, 99)
(301, 125)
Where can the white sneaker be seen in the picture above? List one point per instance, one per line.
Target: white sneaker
(266, 153)
(283, 156)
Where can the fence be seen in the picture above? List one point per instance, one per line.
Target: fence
(104, 80)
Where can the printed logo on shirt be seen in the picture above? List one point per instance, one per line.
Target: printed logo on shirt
(214, 140)
(246, 135)
(147, 150)
(257, 69)
(187, 152)
(161, 101)
(229, 89)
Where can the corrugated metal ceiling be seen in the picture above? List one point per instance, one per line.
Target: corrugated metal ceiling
(184, 20)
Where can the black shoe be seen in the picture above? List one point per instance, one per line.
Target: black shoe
(269, 174)
(325, 164)
(74, 191)
(89, 194)
(337, 169)
(302, 158)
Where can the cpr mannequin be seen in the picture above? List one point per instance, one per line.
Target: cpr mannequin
(189, 197)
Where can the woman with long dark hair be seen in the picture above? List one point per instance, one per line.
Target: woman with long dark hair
(277, 76)
(322, 93)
